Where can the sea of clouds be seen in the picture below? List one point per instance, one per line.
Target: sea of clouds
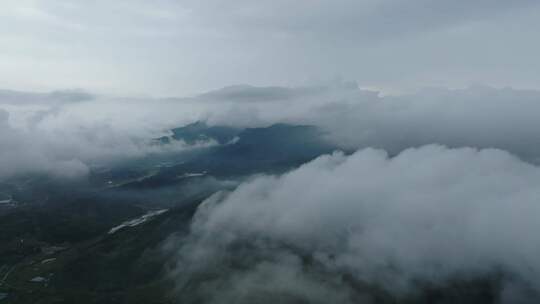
(429, 214)
(443, 185)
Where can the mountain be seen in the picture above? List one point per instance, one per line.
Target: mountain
(200, 132)
(272, 149)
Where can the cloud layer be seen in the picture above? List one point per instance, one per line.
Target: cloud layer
(427, 215)
(476, 117)
(65, 134)
(78, 127)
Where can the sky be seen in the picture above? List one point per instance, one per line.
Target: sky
(180, 48)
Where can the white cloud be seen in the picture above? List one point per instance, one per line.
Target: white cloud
(49, 133)
(477, 117)
(430, 214)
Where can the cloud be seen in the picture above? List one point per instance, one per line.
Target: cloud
(70, 126)
(428, 215)
(65, 134)
(21, 154)
(477, 117)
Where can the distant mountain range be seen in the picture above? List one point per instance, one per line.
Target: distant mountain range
(239, 152)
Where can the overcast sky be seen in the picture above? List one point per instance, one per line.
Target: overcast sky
(167, 47)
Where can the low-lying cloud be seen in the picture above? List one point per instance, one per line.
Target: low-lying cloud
(79, 127)
(66, 140)
(342, 226)
(478, 116)
(426, 216)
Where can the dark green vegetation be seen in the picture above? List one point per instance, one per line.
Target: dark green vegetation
(124, 267)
